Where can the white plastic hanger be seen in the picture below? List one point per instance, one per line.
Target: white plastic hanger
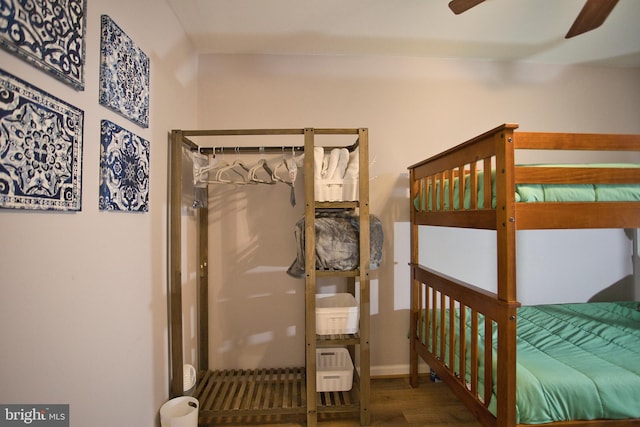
(262, 165)
(221, 169)
(202, 164)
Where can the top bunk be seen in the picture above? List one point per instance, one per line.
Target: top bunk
(450, 188)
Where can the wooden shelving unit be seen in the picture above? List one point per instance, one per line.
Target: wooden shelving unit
(273, 395)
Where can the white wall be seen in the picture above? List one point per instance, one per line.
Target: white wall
(553, 266)
(83, 310)
(413, 108)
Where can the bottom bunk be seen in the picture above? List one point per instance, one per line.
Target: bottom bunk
(574, 364)
(249, 396)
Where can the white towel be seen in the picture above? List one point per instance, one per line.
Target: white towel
(343, 160)
(318, 160)
(333, 163)
(353, 168)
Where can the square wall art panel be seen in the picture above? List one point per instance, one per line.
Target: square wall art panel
(47, 33)
(40, 148)
(124, 170)
(124, 74)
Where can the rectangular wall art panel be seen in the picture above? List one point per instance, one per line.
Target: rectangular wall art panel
(49, 34)
(124, 170)
(40, 149)
(124, 74)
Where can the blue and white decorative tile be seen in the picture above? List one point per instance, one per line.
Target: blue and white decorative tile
(48, 34)
(124, 170)
(40, 149)
(124, 74)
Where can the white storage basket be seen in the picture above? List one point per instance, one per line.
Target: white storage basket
(334, 369)
(336, 314)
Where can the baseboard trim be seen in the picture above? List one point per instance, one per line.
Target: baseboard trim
(397, 370)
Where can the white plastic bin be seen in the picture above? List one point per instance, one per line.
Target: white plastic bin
(336, 314)
(334, 369)
(180, 412)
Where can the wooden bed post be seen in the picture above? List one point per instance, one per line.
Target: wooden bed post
(413, 317)
(505, 215)
(506, 245)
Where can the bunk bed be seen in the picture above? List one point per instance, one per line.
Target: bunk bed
(471, 338)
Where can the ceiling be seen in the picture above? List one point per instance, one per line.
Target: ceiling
(505, 30)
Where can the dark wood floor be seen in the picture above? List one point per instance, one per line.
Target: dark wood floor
(395, 403)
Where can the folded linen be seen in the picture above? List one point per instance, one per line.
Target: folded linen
(318, 160)
(343, 160)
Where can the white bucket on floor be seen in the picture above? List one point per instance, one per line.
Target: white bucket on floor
(180, 412)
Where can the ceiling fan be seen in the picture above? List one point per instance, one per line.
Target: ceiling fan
(592, 15)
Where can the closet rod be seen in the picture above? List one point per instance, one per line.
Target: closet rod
(263, 132)
(267, 149)
(251, 150)
(300, 131)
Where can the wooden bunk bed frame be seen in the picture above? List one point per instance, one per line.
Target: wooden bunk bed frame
(494, 150)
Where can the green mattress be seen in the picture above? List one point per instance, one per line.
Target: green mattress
(536, 192)
(576, 362)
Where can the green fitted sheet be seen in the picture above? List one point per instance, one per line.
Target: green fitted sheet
(578, 361)
(575, 362)
(536, 192)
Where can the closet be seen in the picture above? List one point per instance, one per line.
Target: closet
(273, 394)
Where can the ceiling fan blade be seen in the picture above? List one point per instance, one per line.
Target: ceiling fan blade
(592, 15)
(459, 6)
